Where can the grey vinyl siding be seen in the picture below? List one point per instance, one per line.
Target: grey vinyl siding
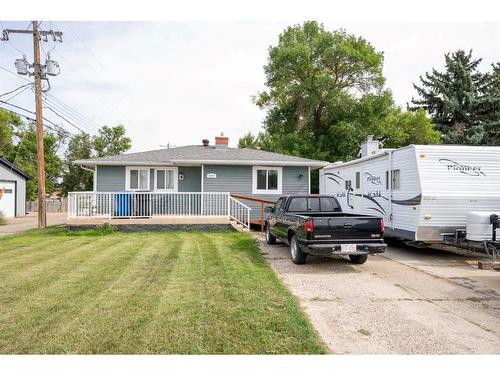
(110, 178)
(238, 180)
(230, 178)
(191, 181)
(7, 175)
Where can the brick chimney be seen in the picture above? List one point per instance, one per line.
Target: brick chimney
(221, 141)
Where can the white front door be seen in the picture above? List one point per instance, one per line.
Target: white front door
(8, 198)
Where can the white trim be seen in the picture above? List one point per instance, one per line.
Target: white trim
(187, 162)
(127, 177)
(176, 178)
(266, 191)
(308, 180)
(202, 176)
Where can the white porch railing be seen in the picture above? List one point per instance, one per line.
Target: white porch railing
(154, 204)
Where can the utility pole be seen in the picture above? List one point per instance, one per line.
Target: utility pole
(39, 72)
(40, 152)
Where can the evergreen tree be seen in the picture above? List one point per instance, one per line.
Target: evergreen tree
(457, 99)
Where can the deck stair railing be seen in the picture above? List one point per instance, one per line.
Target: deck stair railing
(154, 204)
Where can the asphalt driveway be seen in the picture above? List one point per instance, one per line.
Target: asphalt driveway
(403, 302)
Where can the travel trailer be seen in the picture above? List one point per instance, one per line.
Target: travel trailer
(425, 193)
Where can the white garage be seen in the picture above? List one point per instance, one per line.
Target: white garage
(12, 189)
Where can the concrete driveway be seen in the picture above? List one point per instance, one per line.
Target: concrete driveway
(30, 221)
(403, 302)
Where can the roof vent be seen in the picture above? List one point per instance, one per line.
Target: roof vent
(205, 142)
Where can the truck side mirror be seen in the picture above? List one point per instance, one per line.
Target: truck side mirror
(269, 209)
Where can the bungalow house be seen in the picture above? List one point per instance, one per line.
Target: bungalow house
(198, 181)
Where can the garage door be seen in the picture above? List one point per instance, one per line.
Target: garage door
(8, 198)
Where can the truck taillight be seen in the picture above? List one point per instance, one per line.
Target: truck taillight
(382, 225)
(308, 225)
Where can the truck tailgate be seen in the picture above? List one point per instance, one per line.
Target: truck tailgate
(346, 228)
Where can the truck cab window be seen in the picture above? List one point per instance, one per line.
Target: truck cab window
(313, 204)
(329, 204)
(298, 204)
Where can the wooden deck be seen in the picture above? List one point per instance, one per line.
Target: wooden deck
(155, 220)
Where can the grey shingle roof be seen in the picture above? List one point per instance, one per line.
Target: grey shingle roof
(202, 155)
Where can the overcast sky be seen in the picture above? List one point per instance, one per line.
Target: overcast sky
(179, 82)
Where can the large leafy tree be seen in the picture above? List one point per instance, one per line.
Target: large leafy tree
(23, 153)
(460, 100)
(111, 141)
(108, 142)
(325, 94)
(315, 79)
(8, 122)
(74, 177)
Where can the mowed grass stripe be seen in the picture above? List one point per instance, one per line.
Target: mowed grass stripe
(171, 292)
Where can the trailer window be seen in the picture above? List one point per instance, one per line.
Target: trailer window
(358, 180)
(386, 180)
(396, 183)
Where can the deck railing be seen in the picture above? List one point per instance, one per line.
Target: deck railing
(152, 204)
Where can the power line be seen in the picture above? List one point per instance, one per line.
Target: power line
(59, 101)
(65, 119)
(59, 130)
(72, 117)
(10, 92)
(14, 74)
(16, 94)
(27, 110)
(103, 67)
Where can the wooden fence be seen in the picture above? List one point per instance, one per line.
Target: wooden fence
(53, 205)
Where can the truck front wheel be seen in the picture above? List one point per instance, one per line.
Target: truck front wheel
(270, 239)
(298, 257)
(358, 259)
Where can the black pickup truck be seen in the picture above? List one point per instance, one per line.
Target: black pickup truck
(316, 225)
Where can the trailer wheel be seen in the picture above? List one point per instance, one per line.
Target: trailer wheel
(298, 256)
(358, 259)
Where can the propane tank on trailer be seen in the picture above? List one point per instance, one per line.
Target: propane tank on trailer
(479, 226)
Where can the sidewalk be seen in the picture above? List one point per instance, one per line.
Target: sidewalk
(21, 224)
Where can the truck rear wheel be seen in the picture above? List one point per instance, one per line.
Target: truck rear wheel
(358, 259)
(298, 256)
(270, 239)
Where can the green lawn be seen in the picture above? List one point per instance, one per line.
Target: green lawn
(170, 292)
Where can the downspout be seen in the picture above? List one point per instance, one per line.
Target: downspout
(94, 171)
(309, 180)
(202, 178)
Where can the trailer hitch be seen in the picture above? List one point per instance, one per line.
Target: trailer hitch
(493, 244)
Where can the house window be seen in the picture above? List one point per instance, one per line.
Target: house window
(166, 179)
(396, 183)
(137, 179)
(267, 180)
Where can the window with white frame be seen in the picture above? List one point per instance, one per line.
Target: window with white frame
(267, 180)
(166, 179)
(137, 178)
